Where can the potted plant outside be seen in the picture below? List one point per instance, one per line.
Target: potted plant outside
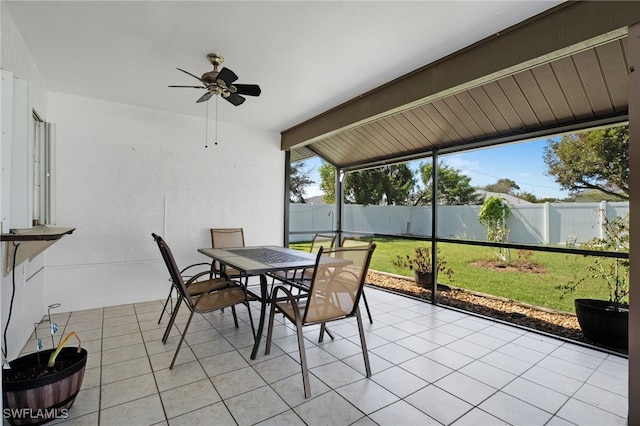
(420, 262)
(42, 386)
(606, 321)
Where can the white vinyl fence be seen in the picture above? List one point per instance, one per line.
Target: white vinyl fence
(548, 224)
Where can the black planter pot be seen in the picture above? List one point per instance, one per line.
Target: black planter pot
(43, 399)
(601, 323)
(423, 279)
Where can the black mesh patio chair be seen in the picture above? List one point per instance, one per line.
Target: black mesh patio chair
(213, 294)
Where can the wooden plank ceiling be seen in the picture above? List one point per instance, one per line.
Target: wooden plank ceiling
(566, 92)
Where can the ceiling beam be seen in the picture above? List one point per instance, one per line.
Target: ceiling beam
(558, 32)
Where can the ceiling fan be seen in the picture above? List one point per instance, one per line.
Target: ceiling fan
(221, 83)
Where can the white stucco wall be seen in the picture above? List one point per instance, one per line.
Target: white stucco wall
(124, 172)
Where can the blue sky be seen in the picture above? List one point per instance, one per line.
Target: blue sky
(521, 162)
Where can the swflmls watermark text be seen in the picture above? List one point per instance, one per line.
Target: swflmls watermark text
(41, 414)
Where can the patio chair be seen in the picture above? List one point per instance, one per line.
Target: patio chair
(322, 240)
(302, 277)
(196, 284)
(186, 274)
(228, 238)
(220, 294)
(355, 242)
(333, 295)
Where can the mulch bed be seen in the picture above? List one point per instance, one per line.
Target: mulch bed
(556, 323)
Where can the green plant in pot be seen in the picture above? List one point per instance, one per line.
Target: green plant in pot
(42, 386)
(420, 262)
(606, 321)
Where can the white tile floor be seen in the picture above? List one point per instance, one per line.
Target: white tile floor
(430, 365)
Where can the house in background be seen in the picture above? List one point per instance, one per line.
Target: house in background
(511, 199)
(316, 199)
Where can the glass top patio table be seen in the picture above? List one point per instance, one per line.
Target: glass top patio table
(263, 260)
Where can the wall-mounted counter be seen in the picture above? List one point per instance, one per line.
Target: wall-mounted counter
(32, 242)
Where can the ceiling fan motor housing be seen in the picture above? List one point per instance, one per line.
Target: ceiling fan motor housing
(210, 80)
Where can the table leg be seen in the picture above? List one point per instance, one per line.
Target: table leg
(263, 313)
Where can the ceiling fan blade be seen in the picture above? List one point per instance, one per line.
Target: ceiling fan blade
(192, 75)
(235, 99)
(205, 97)
(227, 76)
(248, 89)
(194, 87)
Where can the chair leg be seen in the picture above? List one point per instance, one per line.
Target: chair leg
(363, 343)
(324, 329)
(272, 313)
(184, 333)
(303, 359)
(366, 305)
(172, 319)
(235, 317)
(253, 328)
(164, 308)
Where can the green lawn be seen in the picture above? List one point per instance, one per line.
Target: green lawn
(534, 288)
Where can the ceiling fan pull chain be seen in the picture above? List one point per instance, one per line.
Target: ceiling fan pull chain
(216, 141)
(206, 125)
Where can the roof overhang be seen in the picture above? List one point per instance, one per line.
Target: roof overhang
(563, 70)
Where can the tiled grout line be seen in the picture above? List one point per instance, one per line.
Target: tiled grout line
(458, 370)
(584, 382)
(101, 369)
(569, 397)
(520, 340)
(155, 381)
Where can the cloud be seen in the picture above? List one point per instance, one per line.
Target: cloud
(461, 163)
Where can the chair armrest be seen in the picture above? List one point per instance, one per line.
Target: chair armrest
(222, 286)
(188, 277)
(290, 297)
(216, 283)
(208, 265)
(290, 281)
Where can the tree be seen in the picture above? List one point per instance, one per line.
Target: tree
(551, 200)
(399, 184)
(494, 215)
(503, 186)
(594, 196)
(298, 180)
(527, 196)
(328, 182)
(363, 187)
(384, 185)
(596, 160)
(454, 188)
